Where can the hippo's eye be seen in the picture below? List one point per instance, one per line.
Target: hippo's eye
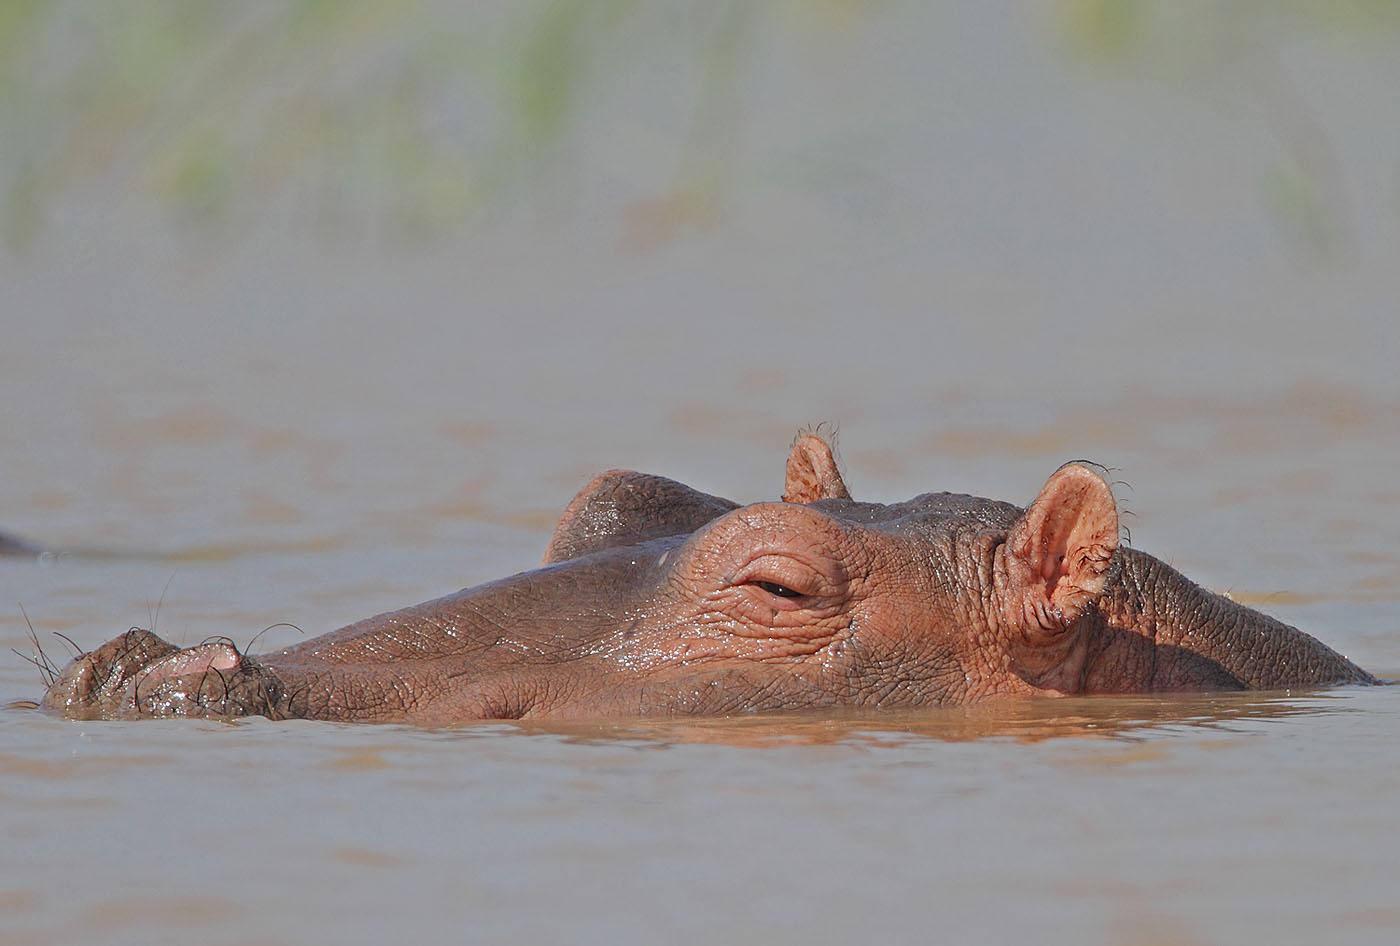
(777, 590)
(778, 581)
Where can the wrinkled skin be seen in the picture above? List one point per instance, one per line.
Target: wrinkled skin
(656, 599)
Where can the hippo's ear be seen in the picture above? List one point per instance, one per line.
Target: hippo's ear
(621, 507)
(1058, 553)
(812, 472)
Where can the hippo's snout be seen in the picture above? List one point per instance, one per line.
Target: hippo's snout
(139, 674)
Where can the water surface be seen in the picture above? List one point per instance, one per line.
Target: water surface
(982, 241)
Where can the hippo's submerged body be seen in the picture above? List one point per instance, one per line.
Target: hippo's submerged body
(657, 599)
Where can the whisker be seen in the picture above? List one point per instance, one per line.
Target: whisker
(136, 688)
(115, 668)
(302, 692)
(270, 627)
(77, 651)
(41, 660)
(45, 674)
(156, 616)
(224, 680)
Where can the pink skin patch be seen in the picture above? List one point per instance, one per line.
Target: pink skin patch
(205, 658)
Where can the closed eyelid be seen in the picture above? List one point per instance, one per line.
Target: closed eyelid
(791, 572)
(777, 590)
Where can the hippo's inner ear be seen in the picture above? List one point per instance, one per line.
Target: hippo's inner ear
(1059, 551)
(812, 472)
(621, 507)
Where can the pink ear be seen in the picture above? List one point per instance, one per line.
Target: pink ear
(812, 472)
(1059, 551)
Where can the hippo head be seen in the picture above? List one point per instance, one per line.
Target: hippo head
(655, 598)
(822, 599)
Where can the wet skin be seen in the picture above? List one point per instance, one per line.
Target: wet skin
(656, 599)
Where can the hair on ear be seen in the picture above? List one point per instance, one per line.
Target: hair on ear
(812, 471)
(1060, 550)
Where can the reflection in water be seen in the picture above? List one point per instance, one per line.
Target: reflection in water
(1123, 718)
(1120, 718)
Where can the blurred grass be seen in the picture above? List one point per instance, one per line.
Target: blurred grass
(207, 106)
(1201, 40)
(410, 116)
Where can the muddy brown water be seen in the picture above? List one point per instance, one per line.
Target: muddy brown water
(979, 253)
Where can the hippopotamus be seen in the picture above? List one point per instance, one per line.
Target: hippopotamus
(656, 599)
